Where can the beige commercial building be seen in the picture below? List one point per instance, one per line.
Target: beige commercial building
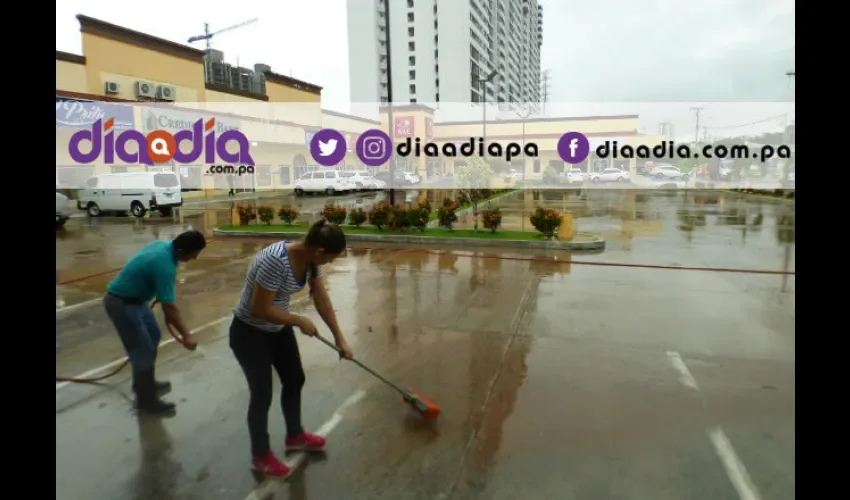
(105, 80)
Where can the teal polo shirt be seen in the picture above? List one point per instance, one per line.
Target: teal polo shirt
(150, 273)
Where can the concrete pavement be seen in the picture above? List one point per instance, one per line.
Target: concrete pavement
(555, 380)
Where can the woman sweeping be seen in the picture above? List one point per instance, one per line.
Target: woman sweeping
(262, 335)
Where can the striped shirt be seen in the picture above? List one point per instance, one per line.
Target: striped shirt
(271, 270)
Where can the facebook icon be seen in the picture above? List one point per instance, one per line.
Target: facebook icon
(573, 147)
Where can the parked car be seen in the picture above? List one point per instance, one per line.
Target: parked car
(400, 178)
(576, 176)
(136, 192)
(610, 175)
(363, 179)
(63, 210)
(329, 182)
(412, 177)
(668, 172)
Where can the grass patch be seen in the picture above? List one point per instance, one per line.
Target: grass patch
(371, 230)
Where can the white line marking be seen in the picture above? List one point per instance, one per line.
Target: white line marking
(734, 467)
(266, 488)
(685, 376)
(113, 364)
(78, 305)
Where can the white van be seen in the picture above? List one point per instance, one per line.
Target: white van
(133, 192)
(329, 182)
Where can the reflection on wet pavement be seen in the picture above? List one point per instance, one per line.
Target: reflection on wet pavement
(554, 378)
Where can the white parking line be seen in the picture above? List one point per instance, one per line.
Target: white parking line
(265, 489)
(79, 305)
(735, 469)
(113, 364)
(685, 376)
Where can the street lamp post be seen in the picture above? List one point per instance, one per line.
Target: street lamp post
(524, 114)
(390, 123)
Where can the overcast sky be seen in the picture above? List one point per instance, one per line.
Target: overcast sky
(595, 51)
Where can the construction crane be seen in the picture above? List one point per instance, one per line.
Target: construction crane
(208, 36)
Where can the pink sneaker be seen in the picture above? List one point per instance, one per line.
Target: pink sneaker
(270, 465)
(306, 442)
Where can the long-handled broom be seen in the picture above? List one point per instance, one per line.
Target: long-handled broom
(424, 406)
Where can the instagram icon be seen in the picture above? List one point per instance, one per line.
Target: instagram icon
(374, 147)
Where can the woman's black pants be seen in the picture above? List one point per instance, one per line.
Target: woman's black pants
(257, 352)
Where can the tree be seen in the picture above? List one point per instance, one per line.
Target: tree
(472, 178)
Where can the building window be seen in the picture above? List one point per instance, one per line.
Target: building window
(473, 96)
(263, 176)
(438, 97)
(410, 17)
(410, 31)
(413, 101)
(285, 178)
(537, 166)
(410, 4)
(412, 74)
(411, 46)
(411, 60)
(413, 89)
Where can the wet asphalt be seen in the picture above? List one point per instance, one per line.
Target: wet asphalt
(556, 380)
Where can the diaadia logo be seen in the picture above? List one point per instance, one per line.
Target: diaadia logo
(159, 146)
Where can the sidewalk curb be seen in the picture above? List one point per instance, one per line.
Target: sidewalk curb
(595, 244)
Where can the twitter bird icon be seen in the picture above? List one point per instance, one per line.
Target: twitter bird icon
(327, 146)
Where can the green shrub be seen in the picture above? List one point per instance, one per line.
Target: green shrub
(265, 214)
(357, 216)
(334, 213)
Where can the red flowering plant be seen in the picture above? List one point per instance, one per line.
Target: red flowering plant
(287, 214)
(400, 218)
(379, 216)
(418, 215)
(491, 218)
(265, 214)
(246, 213)
(546, 220)
(357, 216)
(446, 215)
(334, 213)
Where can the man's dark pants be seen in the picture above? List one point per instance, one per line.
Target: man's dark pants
(140, 334)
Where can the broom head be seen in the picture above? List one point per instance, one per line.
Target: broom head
(421, 404)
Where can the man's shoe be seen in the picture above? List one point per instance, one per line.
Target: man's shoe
(147, 399)
(161, 386)
(154, 406)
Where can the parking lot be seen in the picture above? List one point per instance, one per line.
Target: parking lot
(568, 376)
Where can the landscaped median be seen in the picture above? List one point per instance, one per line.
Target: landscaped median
(413, 224)
(461, 237)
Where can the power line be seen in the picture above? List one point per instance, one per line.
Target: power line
(764, 120)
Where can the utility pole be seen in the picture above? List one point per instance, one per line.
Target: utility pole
(390, 123)
(544, 84)
(697, 110)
